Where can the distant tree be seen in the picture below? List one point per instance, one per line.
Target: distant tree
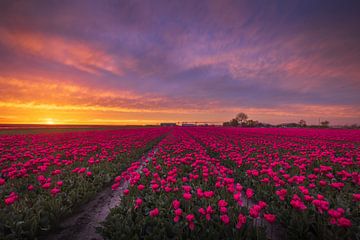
(325, 123)
(226, 124)
(302, 123)
(241, 118)
(252, 123)
(234, 122)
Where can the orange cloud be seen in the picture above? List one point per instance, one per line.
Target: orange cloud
(29, 94)
(21, 89)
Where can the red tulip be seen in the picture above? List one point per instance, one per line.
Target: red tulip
(138, 203)
(55, 191)
(344, 222)
(271, 218)
(178, 212)
(241, 221)
(187, 196)
(208, 194)
(249, 193)
(225, 219)
(222, 203)
(11, 198)
(154, 213)
(356, 197)
(176, 204)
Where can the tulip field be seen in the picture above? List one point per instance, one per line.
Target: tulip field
(45, 176)
(198, 183)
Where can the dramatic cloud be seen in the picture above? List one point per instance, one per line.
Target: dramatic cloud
(152, 61)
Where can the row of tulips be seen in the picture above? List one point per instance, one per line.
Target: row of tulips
(44, 177)
(310, 178)
(227, 183)
(183, 193)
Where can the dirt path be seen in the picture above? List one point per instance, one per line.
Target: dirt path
(83, 224)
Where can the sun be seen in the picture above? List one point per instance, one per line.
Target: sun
(50, 121)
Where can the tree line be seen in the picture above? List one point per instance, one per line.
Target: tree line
(242, 120)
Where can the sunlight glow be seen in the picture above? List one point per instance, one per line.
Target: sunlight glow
(50, 121)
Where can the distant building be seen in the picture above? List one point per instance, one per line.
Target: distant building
(167, 124)
(188, 125)
(289, 125)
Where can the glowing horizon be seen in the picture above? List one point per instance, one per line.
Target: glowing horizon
(120, 62)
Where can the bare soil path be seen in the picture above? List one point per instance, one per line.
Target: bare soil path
(83, 224)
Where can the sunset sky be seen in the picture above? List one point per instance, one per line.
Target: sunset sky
(143, 62)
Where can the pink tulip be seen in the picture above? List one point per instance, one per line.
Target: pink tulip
(55, 191)
(154, 212)
(249, 193)
(241, 221)
(344, 222)
(225, 219)
(176, 204)
(356, 197)
(138, 203)
(271, 218)
(187, 196)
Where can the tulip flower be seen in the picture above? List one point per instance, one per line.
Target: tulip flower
(187, 196)
(176, 204)
(225, 219)
(249, 193)
(270, 218)
(154, 212)
(241, 221)
(138, 203)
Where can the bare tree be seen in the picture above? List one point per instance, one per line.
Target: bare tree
(241, 117)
